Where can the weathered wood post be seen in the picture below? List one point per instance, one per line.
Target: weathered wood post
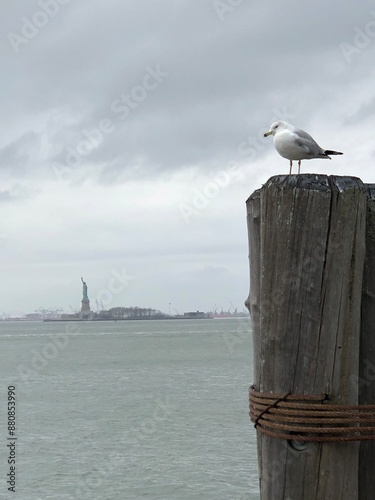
(307, 238)
(366, 382)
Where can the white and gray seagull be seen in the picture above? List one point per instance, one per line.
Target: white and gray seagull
(296, 144)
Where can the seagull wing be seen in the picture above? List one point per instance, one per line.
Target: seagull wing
(305, 141)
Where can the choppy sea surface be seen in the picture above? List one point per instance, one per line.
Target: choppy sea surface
(129, 410)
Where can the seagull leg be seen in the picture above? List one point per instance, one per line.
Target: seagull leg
(299, 166)
(290, 168)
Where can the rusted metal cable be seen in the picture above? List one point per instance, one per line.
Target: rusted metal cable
(301, 417)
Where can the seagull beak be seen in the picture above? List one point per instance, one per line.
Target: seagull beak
(267, 133)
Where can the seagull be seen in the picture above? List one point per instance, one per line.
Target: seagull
(296, 144)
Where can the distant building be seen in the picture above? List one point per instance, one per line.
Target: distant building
(70, 317)
(33, 317)
(195, 315)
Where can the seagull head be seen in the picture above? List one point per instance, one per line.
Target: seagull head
(277, 126)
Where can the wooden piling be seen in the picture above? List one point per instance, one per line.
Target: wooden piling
(366, 380)
(307, 250)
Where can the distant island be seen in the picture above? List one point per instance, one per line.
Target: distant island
(122, 314)
(127, 313)
(119, 313)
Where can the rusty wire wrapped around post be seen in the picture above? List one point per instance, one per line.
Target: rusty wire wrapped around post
(310, 418)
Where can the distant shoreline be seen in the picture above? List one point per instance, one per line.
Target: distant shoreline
(19, 320)
(116, 319)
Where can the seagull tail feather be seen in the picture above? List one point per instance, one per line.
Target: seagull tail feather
(330, 152)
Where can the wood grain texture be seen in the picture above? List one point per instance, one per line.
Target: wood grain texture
(366, 379)
(252, 302)
(306, 271)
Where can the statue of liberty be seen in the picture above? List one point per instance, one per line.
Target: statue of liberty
(85, 309)
(84, 289)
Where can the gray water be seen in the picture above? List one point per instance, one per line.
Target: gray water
(129, 410)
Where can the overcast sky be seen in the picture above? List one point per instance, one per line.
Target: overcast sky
(131, 137)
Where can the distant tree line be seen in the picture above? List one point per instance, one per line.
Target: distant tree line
(131, 312)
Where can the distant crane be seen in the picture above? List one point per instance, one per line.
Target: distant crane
(234, 308)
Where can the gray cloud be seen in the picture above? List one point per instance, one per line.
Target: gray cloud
(97, 156)
(16, 156)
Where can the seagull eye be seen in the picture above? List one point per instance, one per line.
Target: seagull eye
(275, 126)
